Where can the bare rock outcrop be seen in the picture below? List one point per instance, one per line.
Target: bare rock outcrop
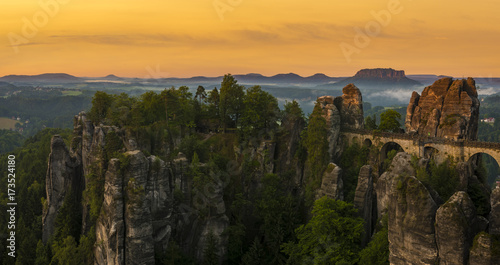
(448, 109)
(332, 116)
(344, 112)
(485, 250)
(455, 225)
(332, 185)
(494, 217)
(411, 219)
(351, 108)
(401, 165)
(363, 200)
(63, 176)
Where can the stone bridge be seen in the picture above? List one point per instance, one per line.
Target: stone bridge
(420, 146)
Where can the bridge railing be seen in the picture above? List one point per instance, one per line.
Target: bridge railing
(424, 139)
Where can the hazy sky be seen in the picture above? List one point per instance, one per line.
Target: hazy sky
(167, 38)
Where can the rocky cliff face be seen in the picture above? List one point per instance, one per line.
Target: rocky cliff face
(363, 200)
(341, 112)
(63, 176)
(423, 229)
(380, 73)
(138, 216)
(448, 109)
(412, 214)
(332, 185)
(379, 77)
(455, 229)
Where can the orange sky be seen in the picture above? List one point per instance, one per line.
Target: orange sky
(180, 38)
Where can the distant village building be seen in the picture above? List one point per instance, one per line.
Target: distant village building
(488, 120)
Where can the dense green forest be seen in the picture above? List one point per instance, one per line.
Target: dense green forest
(275, 221)
(271, 224)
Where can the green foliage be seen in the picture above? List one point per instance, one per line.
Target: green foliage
(192, 144)
(371, 122)
(293, 111)
(260, 112)
(68, 221)
(390, 156)
(10, 140)
(173, 255)
(66, 252)
(231, 101)
(479, 197)
(113, 144)
(316, 144)
(443, 178)
(377, 251)
(42, 254)
(255, 255)
(332, 236)
(100, 105)
(389, 121)
(210, 252)
(93, 194)
(277, 208)
(351, 161)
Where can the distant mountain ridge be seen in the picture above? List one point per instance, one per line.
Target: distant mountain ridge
(45, 78)
(252, 78)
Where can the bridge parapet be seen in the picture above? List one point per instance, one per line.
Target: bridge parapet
(424, 139)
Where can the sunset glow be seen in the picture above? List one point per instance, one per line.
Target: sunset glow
(204, 37)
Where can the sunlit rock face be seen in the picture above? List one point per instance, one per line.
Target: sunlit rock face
(448, 109)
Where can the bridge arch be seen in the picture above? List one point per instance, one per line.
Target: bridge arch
(367, 142)
(389, 146)
(484, 161)
(430, 152)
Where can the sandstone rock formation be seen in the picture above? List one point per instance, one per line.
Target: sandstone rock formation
(332, 185)
(332, 116)
(455, 223)
(363, 200)
(63, 176)
(412, 213)
(288, 141)
(379, 77)
(484, 250)
(345, 112)
(494, 217)
(448, 109)
(381, 73)
(400, 166)
(351, 107)
(138, 216)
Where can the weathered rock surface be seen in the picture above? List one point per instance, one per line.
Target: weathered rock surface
(332, 116)
(287, 146)
(379, 77)
(136, 210)
(448, 109)
(363, 200)
(345, 112)
(332, 185)
(455, 223)
(381, 73)
(411, 219)
(110, 228)
(351, 108)
(485, 250)
(494, 217)
(401, 165)
(63, 176)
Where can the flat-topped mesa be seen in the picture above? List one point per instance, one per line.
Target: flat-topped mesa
(447, 109)
(382, 73)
